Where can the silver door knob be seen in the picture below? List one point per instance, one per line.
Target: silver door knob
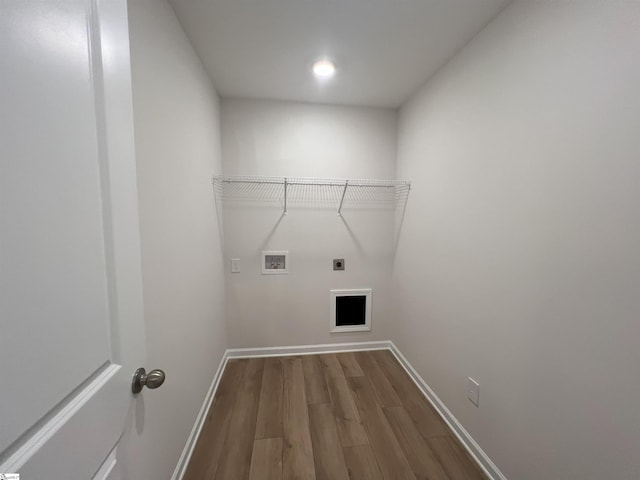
(152, 380)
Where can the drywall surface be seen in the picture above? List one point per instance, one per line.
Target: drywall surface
(295, 139)
(518, 263)
(178, 150)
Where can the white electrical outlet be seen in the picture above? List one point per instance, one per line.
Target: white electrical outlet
(235, 265)
(473, 391)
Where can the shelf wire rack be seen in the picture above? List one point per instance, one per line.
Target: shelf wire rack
(300, 191)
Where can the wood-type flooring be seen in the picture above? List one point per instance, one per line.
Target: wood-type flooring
(332, 416)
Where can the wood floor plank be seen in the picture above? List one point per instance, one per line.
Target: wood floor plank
(419, 409)
(314, 380)
(361, 463)
(269, 422)
(297, 455)
(206, 454)
(331, 365)
(423, 461)
(266, 460)
(383, 388)
(346, 413)
(349, 364)
(327, 450)
(454, 459)
(393, 464)
(235, 460)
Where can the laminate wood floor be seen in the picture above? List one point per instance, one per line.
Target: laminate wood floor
(332, 416)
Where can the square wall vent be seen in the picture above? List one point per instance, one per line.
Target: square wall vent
(351, 310)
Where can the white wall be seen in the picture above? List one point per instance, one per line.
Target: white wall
(295, 139)
(178, 150)
(518, 263)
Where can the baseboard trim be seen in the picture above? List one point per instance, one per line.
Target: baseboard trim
(488, 467)
(306, 349)
(181, 467)
(481, 458)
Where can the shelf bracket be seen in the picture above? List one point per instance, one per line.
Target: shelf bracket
(346, 184)
(285, 196)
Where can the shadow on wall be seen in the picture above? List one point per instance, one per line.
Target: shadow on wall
(351, 234)
(217, 204)
(399, 220)
(266, 241)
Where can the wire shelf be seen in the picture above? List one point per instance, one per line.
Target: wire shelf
(299, 191)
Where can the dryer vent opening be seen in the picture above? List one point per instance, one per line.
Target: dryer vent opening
(351, 310)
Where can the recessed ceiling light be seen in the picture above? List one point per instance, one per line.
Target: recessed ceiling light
(324, 69)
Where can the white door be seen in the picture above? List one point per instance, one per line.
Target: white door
(71, 315)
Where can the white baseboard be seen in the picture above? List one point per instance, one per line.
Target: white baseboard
(181, 467)
(481, 458)
(306, 349)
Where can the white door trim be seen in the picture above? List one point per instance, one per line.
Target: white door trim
(57, 421)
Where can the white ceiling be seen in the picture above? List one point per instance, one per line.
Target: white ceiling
(383, 49)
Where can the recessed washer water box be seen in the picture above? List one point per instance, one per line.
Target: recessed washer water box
(275, 262)
(350, 310)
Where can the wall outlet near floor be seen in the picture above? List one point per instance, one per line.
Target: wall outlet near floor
(473, 391)
(235, 265)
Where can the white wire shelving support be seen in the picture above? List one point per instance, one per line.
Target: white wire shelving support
(299, 191)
